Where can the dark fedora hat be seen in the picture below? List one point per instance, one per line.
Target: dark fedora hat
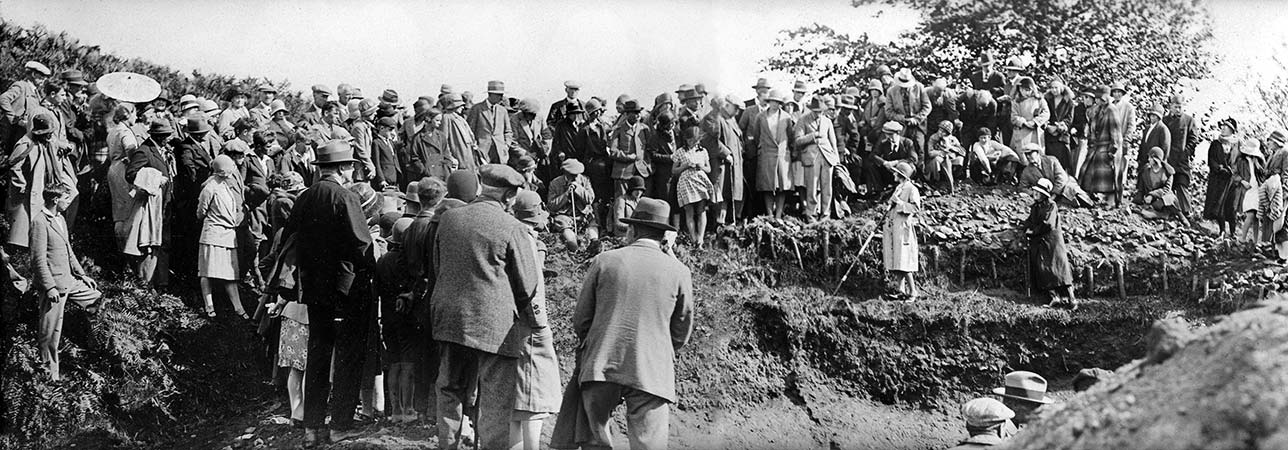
(573, 108)
(631, 106)
(160, 127)
(651, 213)
(196, 124)
(334, 152)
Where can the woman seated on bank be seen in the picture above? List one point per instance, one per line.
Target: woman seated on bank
(1155, 189)
(995, 161)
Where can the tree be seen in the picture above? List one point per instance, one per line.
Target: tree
(1148, 45)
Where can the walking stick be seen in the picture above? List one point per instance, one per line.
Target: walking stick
(863, 247)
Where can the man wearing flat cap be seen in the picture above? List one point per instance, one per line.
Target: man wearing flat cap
(263, 111)
(313, 113)
(634, 301)
(19, 104)
(330, 284)
(557, 110)
(485, 272)
(988, 422)
(490, 122)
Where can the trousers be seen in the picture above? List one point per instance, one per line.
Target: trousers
(462, 371)
(648, 417)
(343, 333)
(818, 189)
(51, 322)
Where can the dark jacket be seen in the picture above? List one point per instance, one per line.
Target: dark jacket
(388, 172)
(149, 154)
(194, 163)
(1048, 260)
(1185, 138)
(329, 213)
(485, 273)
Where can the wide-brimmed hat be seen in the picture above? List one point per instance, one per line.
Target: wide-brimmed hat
(1022, 385)
(761, 83)
(43, 124)
(691, 94)
(1156, 109)
(37, 67)
(1252, 147)
(892, 127)
(875, 85)
(1118, 86)
(275, 106)
(847, 102)
(631, 106)
(529, 209)
(334, 152)
(593, 106)
(197, 125)
(73, 77)
(389, 96)
(799, 86)
(903, 169)
(368, 106)
(651, 213)
(1014, 63)
(816, 104)
(231, 93)
(1230, 122)
(571, 108)
(160, 127)
(985, 412)
(776, 95)
(683, 88)
(663, 98)
(451, 101)
(413, 192)
(883, 71)
(986, 57)
(529, 105)
(495, 87)
(573, 167)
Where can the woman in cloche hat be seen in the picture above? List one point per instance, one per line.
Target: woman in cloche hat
(899, 238)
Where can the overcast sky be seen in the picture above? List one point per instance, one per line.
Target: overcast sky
(639, 47)
(612, 46)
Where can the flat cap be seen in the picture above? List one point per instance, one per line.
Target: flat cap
(570, 84)
(985, 412)
(38, 67)
(500, 175)
(322, 89)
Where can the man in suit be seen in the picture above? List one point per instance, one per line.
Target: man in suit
(559, 108)
(194, 151)
(59, 276)
(1063, 187)
(986, 77)
(313, 113)
(490, 122)
(634, 301)
(19, 103)
(892, 148)
(627, 148)
(1185, 138)
(388, 171)
(816, 139)
(908, 103)
(331, 288)
(485, 271)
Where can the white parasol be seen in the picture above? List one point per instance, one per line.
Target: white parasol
(129, 87)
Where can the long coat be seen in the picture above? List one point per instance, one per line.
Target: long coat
(773, 163)
(1185, 138)
(459, 142)
(485, 272)
(328, 212)
(1048, 260)
(491, 126)
(1156, 136)
(628, 148)
(1022, 111)
(1056, 132)
(634, 301)
(1220, 160)
(899, 245)
(425, 156)
(724, 140)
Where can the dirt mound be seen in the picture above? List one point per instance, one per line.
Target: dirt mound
(1224, 389)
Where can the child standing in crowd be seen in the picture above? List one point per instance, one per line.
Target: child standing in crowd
(373, 390)
(693, 187)
(219, 209)
(398, 327)
(538, 392)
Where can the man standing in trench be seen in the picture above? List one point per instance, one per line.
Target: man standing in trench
(484, 272)
(634, 300)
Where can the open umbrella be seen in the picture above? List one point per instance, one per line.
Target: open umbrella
(129, 87)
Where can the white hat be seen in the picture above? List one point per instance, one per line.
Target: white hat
(1044, 186)
(36, 66)
(985, 412)
(1021, 385)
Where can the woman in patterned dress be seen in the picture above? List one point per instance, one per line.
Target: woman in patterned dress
(693, 188)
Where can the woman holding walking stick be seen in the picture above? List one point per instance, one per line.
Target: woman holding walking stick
(899, 240)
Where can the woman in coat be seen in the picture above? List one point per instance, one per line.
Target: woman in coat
(219, 208)
(1059, 101)
(899, 239)
(538, 393)
(1154, 188)
(1100, 171)
(1029, 114)
(1242, 197)
(1049, 269)
(1220, 160)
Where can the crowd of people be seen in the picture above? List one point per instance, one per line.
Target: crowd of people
(396, 255)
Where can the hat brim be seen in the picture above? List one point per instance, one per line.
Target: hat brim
(43, 132)
(332, 163)
(1002, 392)
(540, 219)
(496, 91)
(648, 223)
